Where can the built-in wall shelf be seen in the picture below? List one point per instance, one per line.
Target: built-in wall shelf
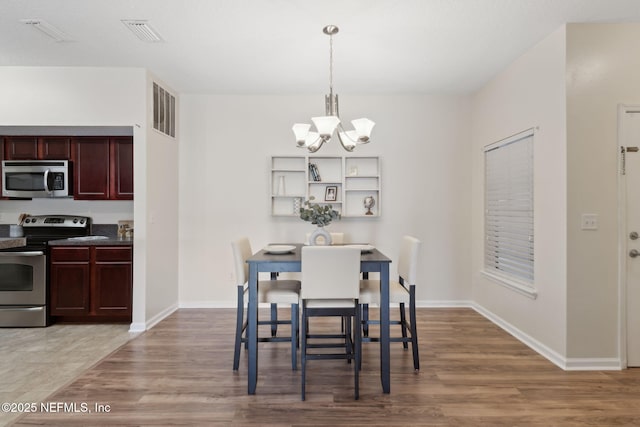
(343, 182)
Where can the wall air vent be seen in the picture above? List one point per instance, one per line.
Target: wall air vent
(164, 111)
(49, 30)
(142, 30)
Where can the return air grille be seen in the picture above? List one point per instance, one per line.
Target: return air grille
(164, 111)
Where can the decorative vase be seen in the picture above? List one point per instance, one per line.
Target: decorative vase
(281, 188)
(320, 237)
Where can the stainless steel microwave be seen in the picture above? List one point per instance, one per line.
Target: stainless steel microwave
(36, 178)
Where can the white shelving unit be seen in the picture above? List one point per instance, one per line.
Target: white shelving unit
(362, 179)
(288, 184)
(352, 178)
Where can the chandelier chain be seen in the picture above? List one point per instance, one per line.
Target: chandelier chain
(331, 64)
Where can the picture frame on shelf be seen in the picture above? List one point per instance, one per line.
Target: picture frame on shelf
(331, 193)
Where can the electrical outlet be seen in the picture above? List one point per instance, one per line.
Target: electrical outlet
(589, 222)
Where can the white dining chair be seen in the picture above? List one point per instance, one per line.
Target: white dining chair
(330, 287)
(401, 292)
(273, 292)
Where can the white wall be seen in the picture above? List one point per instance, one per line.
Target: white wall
(225, 148)
(529, 93)
(158, 223)
(602, 72)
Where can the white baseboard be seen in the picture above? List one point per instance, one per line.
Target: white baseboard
(155, 319)
(207, 304)
(421, 304)
(568, 364)
(444, 304)
(593, 364)
(137, 327)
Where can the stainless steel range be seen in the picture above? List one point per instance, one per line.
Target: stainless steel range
(23, 270)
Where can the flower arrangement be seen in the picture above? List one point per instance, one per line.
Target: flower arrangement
(316, 214)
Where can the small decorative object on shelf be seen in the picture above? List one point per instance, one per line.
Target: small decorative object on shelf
(369, 202)
(315, 173)
(297, 201)
(320, 216)
(281, 188)
(331, 193)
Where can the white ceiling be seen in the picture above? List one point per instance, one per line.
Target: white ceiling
(277, 46)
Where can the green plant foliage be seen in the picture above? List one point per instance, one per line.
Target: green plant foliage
(317, 214)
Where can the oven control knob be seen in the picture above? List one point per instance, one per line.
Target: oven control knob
(75, 220)
(82, 221)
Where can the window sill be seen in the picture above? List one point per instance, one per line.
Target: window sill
(519, 287)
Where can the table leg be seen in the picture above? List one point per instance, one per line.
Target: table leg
(252, 328)
(385, 370)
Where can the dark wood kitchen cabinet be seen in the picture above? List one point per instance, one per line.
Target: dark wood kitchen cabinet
(91, 283)
(112, 279)
(121, 168)
(38, 148)
(103, 168)
(69, 281)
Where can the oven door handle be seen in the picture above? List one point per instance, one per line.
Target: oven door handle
(21, 308)
(26, 253)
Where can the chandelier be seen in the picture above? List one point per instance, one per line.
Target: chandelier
(329, 124)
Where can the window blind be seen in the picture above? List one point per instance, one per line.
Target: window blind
(509, 207)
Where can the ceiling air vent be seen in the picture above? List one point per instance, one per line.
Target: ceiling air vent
(142, 30)
(49, 30)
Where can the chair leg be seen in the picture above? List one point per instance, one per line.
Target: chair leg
(403, 324)
(274, 319)
(239, 328)
(414, 331)
(365, 320)
(358, 351)
(348, 340)
(303, 349)
(294, 336)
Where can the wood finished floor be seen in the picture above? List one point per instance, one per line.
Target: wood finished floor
(472, 373)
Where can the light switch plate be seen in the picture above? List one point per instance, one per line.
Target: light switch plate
(589, 222)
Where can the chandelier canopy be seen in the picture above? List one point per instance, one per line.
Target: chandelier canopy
(329, 124)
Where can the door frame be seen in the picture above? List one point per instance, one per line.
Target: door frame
(623, 109)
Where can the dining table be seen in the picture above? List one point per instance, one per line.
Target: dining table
(265, 261)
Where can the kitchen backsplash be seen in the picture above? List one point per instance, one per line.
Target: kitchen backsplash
(102, 212)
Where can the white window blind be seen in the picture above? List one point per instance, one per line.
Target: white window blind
(509, 208)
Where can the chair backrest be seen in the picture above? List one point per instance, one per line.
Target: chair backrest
(336, 238)
(408, 259)
(241, 252)
(330, 272)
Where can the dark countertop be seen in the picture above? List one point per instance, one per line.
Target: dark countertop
(112, 241)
